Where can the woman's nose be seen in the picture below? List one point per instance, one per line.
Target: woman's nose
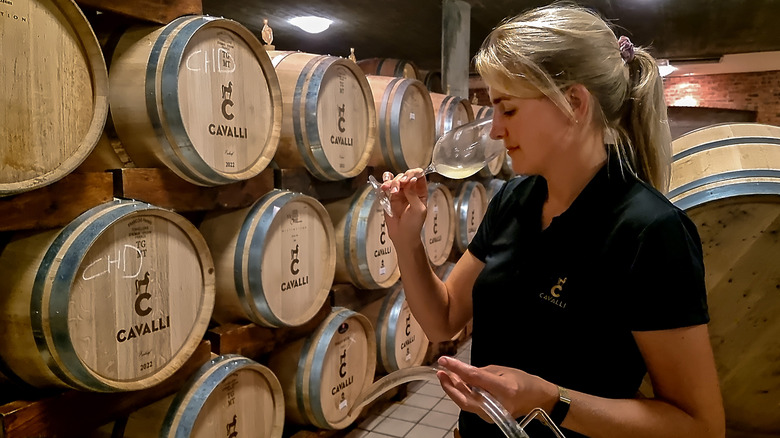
(496, 130)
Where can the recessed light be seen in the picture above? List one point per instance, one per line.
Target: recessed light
(311, 24)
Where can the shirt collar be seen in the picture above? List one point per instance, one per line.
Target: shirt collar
(610, 178)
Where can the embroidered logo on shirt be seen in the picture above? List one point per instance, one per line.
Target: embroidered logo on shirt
(554, 297)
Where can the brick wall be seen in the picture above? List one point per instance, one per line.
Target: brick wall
(759, 91)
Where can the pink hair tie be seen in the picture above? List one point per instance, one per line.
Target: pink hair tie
(626, 49)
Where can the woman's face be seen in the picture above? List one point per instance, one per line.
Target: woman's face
(534, 130)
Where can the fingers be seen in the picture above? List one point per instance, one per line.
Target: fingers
(394, 184)
(460, 393)
(482, 378)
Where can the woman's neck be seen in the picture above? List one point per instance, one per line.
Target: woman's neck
(568, 176)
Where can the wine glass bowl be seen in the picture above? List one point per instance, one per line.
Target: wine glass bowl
(458, 154)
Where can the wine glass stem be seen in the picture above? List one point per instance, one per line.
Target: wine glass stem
(430, 169)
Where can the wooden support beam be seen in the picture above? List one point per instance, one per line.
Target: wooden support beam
(75, 413)
(252, 341)
(163, 188)
(156, 11)
(57, 204)
(299, 180)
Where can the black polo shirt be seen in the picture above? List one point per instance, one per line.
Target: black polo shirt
(561, 303)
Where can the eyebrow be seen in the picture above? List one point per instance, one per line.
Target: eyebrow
(498, 100)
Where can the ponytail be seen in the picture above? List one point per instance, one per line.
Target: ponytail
(645, 123)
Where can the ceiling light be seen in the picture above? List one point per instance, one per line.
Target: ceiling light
(311, 24)
(664, 68)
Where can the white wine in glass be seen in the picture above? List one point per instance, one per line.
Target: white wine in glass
(457, 154)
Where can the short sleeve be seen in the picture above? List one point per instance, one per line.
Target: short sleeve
(480, 243)
(666, 278)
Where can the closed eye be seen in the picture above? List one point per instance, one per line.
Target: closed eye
(509, 113)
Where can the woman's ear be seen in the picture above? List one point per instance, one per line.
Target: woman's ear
(579, 100)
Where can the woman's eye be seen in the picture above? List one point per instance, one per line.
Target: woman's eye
(509, 112)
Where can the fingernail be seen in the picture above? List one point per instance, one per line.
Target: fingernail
(413, 180)
(404, 178)
(394, 190)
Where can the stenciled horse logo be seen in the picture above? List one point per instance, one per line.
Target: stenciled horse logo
(232, 425)
(227, 93)
(140, 297)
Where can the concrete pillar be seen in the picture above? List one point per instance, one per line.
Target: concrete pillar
(455, 42)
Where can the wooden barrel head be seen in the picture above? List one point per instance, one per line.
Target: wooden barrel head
(55, 92)
(470, 206)
(439, 228)
(332, 124)
(118, 300)
(392, 67)
(366, 256)
(229, 395)
(401, 341)
(204, 101)
(727, 179)
(451, 112)
(432, 81)
(324, 374)
(405, 122)
(275, 260)
(227, 108)
(298, 259)
(740, 242)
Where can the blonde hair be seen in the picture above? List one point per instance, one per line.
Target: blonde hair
(553, 47)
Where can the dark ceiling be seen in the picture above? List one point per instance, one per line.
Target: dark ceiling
(411, 29)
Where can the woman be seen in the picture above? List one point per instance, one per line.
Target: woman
(582, 277)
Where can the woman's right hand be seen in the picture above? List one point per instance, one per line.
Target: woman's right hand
(408, 199)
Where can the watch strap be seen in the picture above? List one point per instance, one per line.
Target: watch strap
(561, 407)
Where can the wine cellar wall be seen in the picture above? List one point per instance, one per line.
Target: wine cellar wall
(205, 225)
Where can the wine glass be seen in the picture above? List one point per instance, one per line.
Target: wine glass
(459, 153)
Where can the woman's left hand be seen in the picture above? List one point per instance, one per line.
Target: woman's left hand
(518, 391)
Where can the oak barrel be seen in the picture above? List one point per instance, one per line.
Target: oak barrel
(117, 300)
(230, 395)
(324, 374)
(493, 167)
(199, 96)
(405, 120)
(55, 92)
(727, 179)
(330, 121)
(275, 260)
(470, 204)
(400, 341)
(451, 112)
(438, 232)
(399, 68)
(365, 255)
(482, 111)
(432, 81)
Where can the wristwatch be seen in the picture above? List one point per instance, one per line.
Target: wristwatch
(561, 407)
